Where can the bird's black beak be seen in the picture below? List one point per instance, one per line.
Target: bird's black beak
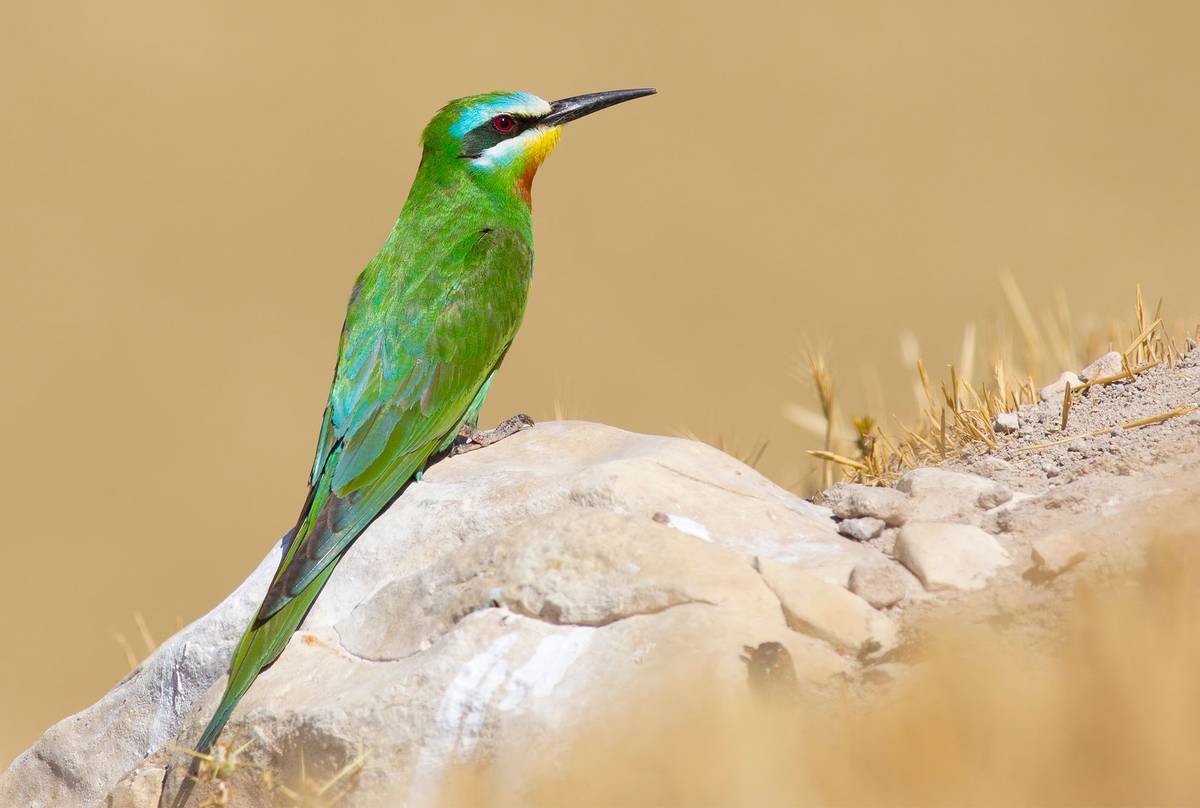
(568, 109)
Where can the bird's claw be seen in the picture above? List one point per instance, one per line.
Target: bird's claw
(471, 439)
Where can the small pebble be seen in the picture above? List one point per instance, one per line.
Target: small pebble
(1109, 364)
(1006, 422)
(863, 528)
(1055, 390)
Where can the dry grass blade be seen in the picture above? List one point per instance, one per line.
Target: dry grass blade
(818, 368)
(1066, 407)
(925, 383)
(837, 458)
(1125, 375)
(1133, 352)
(1140, 422)
(148, 641)
(914, 436)
(1024, 318)
(144, 631)
(123, 642)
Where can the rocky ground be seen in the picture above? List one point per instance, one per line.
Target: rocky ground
(513, 593)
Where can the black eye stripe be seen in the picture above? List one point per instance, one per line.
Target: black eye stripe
(484, 136)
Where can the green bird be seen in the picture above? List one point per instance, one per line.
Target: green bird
(428, 324)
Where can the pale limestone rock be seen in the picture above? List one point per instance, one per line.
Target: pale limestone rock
(1057, 552)
(1110, 364)
(509, 596)
(853, 501)
(933, 482)
(863, 528)
(1054, 391)
(940, 495)
(947, 556)
(829, 612)
(576, 566)
(882, 585)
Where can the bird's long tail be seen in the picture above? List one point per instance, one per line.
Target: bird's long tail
(262, 643)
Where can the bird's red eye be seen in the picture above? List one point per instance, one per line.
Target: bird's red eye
(504, 124)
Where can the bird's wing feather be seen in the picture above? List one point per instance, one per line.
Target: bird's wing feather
(416, 352)
(429, 349)
(408, 371)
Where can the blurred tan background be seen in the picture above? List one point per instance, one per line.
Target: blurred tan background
(187, 192)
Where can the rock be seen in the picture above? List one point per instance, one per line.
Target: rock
(942, 495)
(1056, 553)
(573, 567)
(1006, 422)
(863, 528)
(826, 611)
(1054, 391)
(506, 596)
(881, 585)
(141, 789)
(852, 501)
(770, 672)
(948, 556)
(990, 465)
(1110, 364)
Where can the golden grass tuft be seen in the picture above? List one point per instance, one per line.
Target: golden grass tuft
(960, 411)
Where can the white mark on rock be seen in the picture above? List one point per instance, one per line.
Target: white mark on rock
(551, 660)
(476, 708)
(689, 526)
(460, 716)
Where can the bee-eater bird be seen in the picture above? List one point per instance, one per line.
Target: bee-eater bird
(428, 324)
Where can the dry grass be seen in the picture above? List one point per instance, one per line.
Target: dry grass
(959, 410)
(218, 779)
(1108, 717)
(148, 641)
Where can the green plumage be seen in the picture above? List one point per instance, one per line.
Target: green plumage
(429, 322)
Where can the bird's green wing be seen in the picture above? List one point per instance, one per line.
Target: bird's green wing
(408, 373)
(411, 363)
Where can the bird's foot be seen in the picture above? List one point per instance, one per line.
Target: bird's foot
(471, 439)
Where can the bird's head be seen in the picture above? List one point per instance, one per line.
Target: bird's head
(503, 137)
